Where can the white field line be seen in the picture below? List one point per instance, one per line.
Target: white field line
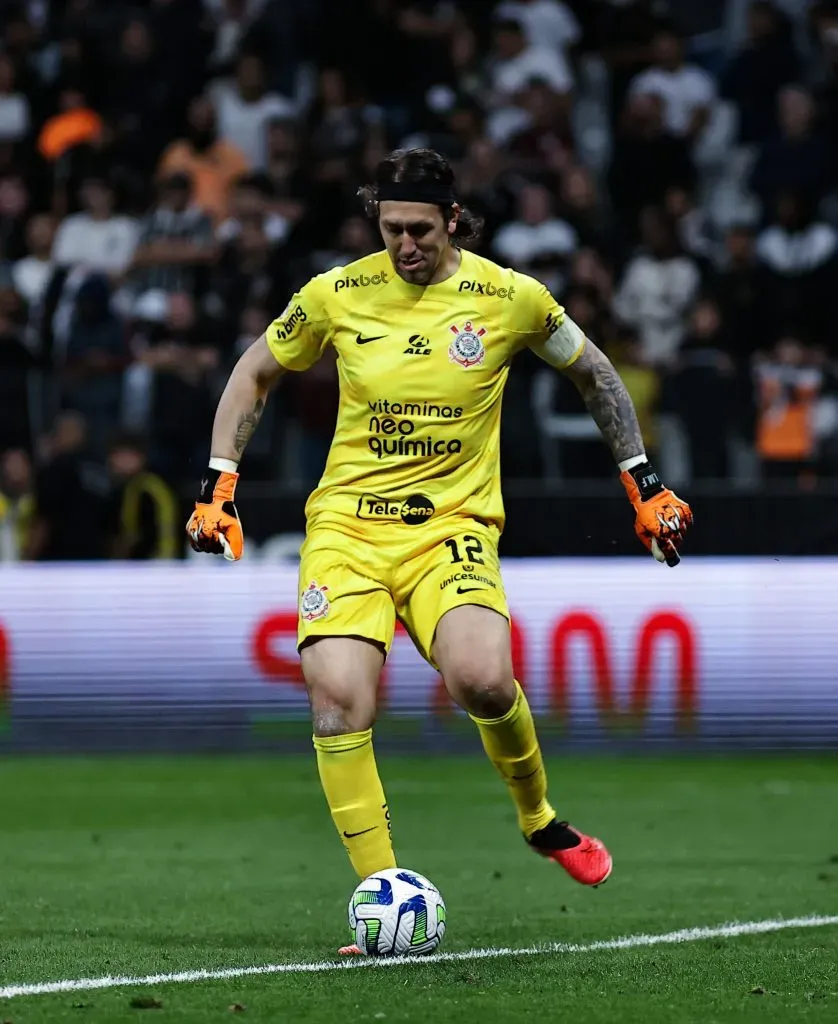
(725, 931)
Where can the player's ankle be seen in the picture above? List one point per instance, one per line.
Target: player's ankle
(557, 835)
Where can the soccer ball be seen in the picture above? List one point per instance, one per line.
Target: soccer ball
(396, 912)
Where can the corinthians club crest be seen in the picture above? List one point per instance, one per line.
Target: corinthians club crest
(467, 348)
(313, 603)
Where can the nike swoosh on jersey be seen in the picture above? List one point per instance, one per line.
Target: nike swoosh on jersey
(363, 832)
(468, 590)
(366, 341)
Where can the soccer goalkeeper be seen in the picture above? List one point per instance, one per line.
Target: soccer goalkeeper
(406, 519)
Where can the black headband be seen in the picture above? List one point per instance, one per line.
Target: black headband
(415, 192)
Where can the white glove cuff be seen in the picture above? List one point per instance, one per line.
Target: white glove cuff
(224, 465)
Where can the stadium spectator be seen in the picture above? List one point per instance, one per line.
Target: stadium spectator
(244, 108)
(647, 160)
(285, 171)
(17, 505)
(798, 158)
(740, 283)
(354, 238)
(213, 164)
(16, 363)
(142, 515)
(543, 139)
(537, 233)
(626, 30)
(31, 273)
(789, 385)
(755, 76)
(703, 379)
(137, 95)
(98, 238)
(69, 496)
(14, 107)
(582, 207)
(94, 361)
(339, 123)
(252, 203)
(657, 288)
(231, 22)
(548, 23)
(515, 63)
(483, 176)
(686, 91)
(183, 39)
(14, 208)
(169, 387)
(798, 252)
(176, 242)
(824, 22)
(691, 223)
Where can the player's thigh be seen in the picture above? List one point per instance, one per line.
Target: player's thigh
(341, 675)
(460, 568)
(345, 628)
(343, 591)
(473, 650)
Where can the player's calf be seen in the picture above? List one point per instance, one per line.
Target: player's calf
(342, 680)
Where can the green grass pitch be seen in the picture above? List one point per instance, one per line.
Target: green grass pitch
(141, 866)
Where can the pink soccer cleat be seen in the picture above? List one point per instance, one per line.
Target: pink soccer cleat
(586, 860)
(350, 951)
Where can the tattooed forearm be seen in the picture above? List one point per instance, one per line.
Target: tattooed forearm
(248, 421)
(608, 401)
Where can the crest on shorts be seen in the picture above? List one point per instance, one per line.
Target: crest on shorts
(467, 348)
(313, 603)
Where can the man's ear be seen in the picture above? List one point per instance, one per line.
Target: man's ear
(454, 218)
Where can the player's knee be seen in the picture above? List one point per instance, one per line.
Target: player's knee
(341, 678)
(336, 714)
(486, 691)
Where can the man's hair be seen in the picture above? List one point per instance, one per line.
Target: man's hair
(131, 440)
(430, 172)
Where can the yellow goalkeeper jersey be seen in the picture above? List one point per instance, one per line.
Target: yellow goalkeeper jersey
(422, 372)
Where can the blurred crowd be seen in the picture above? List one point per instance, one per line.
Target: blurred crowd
(171, 170)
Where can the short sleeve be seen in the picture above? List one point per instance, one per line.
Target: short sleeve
(299, 335)
(542, 320)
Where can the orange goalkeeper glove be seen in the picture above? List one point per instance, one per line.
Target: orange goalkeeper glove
(215, 526)
(662, 517)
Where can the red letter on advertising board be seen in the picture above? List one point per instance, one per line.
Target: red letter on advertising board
(587, 626)
(276, 666)
(592, 630)
(5, 666)
(686, 696)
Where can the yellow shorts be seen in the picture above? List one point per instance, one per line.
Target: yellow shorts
(350, 587)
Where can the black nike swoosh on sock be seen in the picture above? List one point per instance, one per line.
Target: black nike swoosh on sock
(363, 832)
(520, 778)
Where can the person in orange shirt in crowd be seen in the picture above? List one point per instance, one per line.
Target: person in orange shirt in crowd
(789, 385)
(212, 163)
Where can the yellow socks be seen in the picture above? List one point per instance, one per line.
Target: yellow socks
(356, 799)
(513, 749)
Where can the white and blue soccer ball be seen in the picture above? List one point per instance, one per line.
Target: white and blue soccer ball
(397, 912)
